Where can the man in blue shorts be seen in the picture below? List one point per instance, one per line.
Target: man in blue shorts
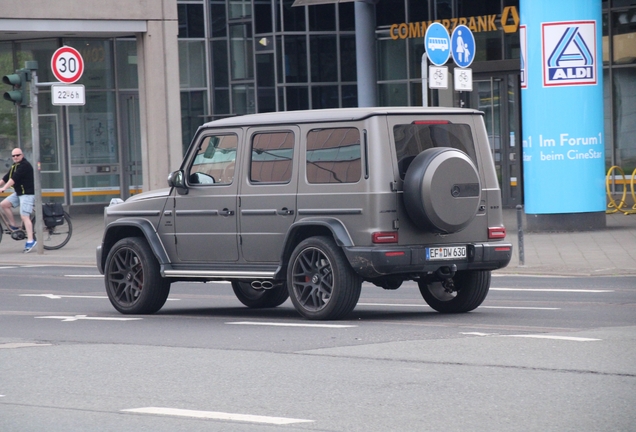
(20, 178)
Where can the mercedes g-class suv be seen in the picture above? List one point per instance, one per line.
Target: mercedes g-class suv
(310, 204)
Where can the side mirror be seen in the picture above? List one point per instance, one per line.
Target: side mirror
(176, 180)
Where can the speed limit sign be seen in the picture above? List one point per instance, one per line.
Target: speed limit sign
(67, 64)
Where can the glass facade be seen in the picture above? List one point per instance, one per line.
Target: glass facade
(265, 55)
(619, 60)
(248, 56)
(86, 151)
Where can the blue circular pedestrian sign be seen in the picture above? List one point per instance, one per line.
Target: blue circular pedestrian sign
(463, 46)
(437, 44)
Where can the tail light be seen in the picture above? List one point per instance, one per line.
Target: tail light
(385, 237)
(496, 232)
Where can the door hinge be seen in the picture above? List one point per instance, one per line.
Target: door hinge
(396, 224)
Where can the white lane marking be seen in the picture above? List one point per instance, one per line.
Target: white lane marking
(8, 267)
(56, 296)
(565, 338)
(214, 415)
(487, 307)
(539, 336)
(13, 345)
(393, 304)
(84, 276)
(552, 290)
(274, 324)
(85, 317)
(518, 307)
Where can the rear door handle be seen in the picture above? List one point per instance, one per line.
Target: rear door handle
(226, 212)
(285, 211)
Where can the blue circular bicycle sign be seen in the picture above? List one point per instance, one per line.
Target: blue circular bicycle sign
(437, 44)
(463, 46)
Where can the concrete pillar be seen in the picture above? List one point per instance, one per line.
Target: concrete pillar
(366, 64)
(160, 112)
(562, 108)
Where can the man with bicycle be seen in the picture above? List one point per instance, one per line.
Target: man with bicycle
(20, 178)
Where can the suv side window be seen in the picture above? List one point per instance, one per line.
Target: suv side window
(272, 156)
(412, 139)
(215, 160)
(333, 155)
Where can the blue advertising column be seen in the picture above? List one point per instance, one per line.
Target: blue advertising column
(562, 114)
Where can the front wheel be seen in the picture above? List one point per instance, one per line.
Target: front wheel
(469, 290)
(133, 282)
(260, 298)
(322, 285)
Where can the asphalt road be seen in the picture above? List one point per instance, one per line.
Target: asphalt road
(545, 354)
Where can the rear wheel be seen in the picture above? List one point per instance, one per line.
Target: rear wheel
(261, 297)
(55, 237)
(322, 284)
(133, 282)
(469, 290)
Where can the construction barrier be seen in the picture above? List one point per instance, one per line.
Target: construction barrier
(611, 181)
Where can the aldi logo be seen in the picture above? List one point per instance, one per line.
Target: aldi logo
(569, 53)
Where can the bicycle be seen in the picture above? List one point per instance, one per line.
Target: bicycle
(54, 237)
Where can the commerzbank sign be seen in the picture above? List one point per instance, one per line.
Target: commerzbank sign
(507, 21)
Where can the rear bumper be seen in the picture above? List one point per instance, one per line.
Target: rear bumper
(375, 262)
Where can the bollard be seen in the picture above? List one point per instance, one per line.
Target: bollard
(522, 257)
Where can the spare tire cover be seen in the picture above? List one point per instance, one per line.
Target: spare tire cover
(442, 190)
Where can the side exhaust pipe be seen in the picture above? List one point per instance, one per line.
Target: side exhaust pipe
(262, 285)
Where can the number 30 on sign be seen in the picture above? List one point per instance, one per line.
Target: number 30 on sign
(67, 64)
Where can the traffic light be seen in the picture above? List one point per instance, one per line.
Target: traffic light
(18, 80)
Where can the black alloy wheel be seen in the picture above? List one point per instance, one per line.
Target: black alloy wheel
(133, 282)
(322, 284)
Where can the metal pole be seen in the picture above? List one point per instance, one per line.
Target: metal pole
(424, 80)
(522, 258)
(35, 137)
(365, 53)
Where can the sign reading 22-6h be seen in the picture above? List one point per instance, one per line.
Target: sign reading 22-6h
(569, 53)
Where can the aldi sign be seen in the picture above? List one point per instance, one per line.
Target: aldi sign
(569, 53)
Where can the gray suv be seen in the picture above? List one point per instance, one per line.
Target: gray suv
(310, 204)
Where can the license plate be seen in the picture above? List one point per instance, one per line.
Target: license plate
(445, 253)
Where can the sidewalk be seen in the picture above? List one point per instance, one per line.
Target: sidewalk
(607, 252)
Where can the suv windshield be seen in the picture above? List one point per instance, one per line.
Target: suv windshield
(412, 139)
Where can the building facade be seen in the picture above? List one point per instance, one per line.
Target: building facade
(246, 56)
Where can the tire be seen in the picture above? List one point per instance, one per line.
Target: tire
(260, 298)
(322, 285)
(131, 275)
(55, 237)
(471, 290)
(442, 190)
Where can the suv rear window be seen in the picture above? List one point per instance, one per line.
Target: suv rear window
(412, 139)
